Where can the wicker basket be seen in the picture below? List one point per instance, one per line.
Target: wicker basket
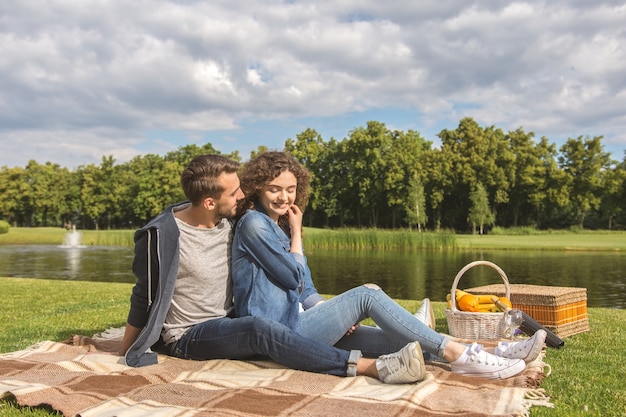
(468, 325)
(562, 310)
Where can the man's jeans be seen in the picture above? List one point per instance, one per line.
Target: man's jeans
(247, 337)
(329, 321)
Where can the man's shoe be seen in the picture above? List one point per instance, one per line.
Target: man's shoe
(425, 314)
(528, 349)
(477, 362)
(402, 367)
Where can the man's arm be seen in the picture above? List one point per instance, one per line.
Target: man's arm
(130, 335)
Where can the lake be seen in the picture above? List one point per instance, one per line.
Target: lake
(401, 273)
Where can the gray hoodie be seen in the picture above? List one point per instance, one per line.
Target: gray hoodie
(156, 266)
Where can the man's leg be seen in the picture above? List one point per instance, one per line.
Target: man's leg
(246, 337)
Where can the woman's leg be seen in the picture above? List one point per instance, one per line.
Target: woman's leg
(374, 343)
(329, 321)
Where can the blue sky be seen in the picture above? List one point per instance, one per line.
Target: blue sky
(83, 79)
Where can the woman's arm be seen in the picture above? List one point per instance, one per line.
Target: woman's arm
(259, 238)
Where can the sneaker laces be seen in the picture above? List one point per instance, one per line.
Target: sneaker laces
(476, 354)
(513, 347)
(394, 363)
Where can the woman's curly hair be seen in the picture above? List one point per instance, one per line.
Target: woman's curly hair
(264, 168)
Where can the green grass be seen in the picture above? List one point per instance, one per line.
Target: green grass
(587, 374)
(368, 238)
(377, 238)
(56, 236)
(562, 240)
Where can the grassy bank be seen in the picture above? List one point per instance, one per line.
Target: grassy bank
(582, 241)
(587, 374)
(56, 236)
(377, 238)
(366, 238)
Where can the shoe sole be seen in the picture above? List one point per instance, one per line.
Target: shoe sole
(537, 346)
(431, 316)
(431, 322)
(417, 353)
(512, 370)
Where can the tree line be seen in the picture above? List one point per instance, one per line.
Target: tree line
(375, 177)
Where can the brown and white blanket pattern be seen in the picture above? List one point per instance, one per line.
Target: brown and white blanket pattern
(82, 379)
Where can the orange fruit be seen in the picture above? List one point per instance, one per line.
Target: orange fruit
(468, 303)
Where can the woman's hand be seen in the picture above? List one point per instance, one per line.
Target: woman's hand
(295, 217)
(352, 329)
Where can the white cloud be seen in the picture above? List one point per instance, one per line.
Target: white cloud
(97, 76)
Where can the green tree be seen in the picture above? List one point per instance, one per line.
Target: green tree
(531, 165)
(584, 162)
(613, 201)
(157, 185)
(403, 166)
(481, 155)
(363, 152)
(438, 167)
(94, 191)
(261, 149)
(480, 213)
(415, 204)
(13, 189)
(43, 194)
(184, 154)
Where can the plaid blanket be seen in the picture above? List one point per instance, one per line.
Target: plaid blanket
(82, 379)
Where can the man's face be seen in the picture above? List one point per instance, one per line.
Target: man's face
(226, 205)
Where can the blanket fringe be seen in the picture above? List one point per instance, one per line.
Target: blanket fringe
(112, 333)
(535, 397)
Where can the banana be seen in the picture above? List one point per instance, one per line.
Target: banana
(485, 298)
(488, 308)
(460, 293)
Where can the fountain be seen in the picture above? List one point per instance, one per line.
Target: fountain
(72, 239)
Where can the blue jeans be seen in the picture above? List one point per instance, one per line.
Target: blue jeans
(247, 337)
(328, 322)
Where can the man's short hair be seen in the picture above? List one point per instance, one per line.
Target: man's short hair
(200, 179)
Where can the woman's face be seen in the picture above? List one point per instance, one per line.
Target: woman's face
(279, 194)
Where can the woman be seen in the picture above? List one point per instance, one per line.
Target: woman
(271, 279)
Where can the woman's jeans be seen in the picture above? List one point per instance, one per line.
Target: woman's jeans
(247, 337)
(329, 321)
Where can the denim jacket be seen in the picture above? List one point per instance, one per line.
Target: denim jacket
(268, 280)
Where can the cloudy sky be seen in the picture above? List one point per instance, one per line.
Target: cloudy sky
(81, 79)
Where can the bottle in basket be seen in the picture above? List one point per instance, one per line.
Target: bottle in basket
(513, 320)
(530, 326)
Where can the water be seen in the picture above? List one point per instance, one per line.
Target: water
(78, 263)
(418, 274)
(403, 274)
(72, 240)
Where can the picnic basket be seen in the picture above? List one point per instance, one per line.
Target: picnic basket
(469, 325)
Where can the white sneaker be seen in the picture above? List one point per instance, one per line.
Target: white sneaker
(402, 367)
(477, 362)
(425, 314)
(527, 349)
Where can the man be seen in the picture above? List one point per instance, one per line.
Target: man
(182, 303)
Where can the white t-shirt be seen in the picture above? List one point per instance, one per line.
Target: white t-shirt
(203, 289)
